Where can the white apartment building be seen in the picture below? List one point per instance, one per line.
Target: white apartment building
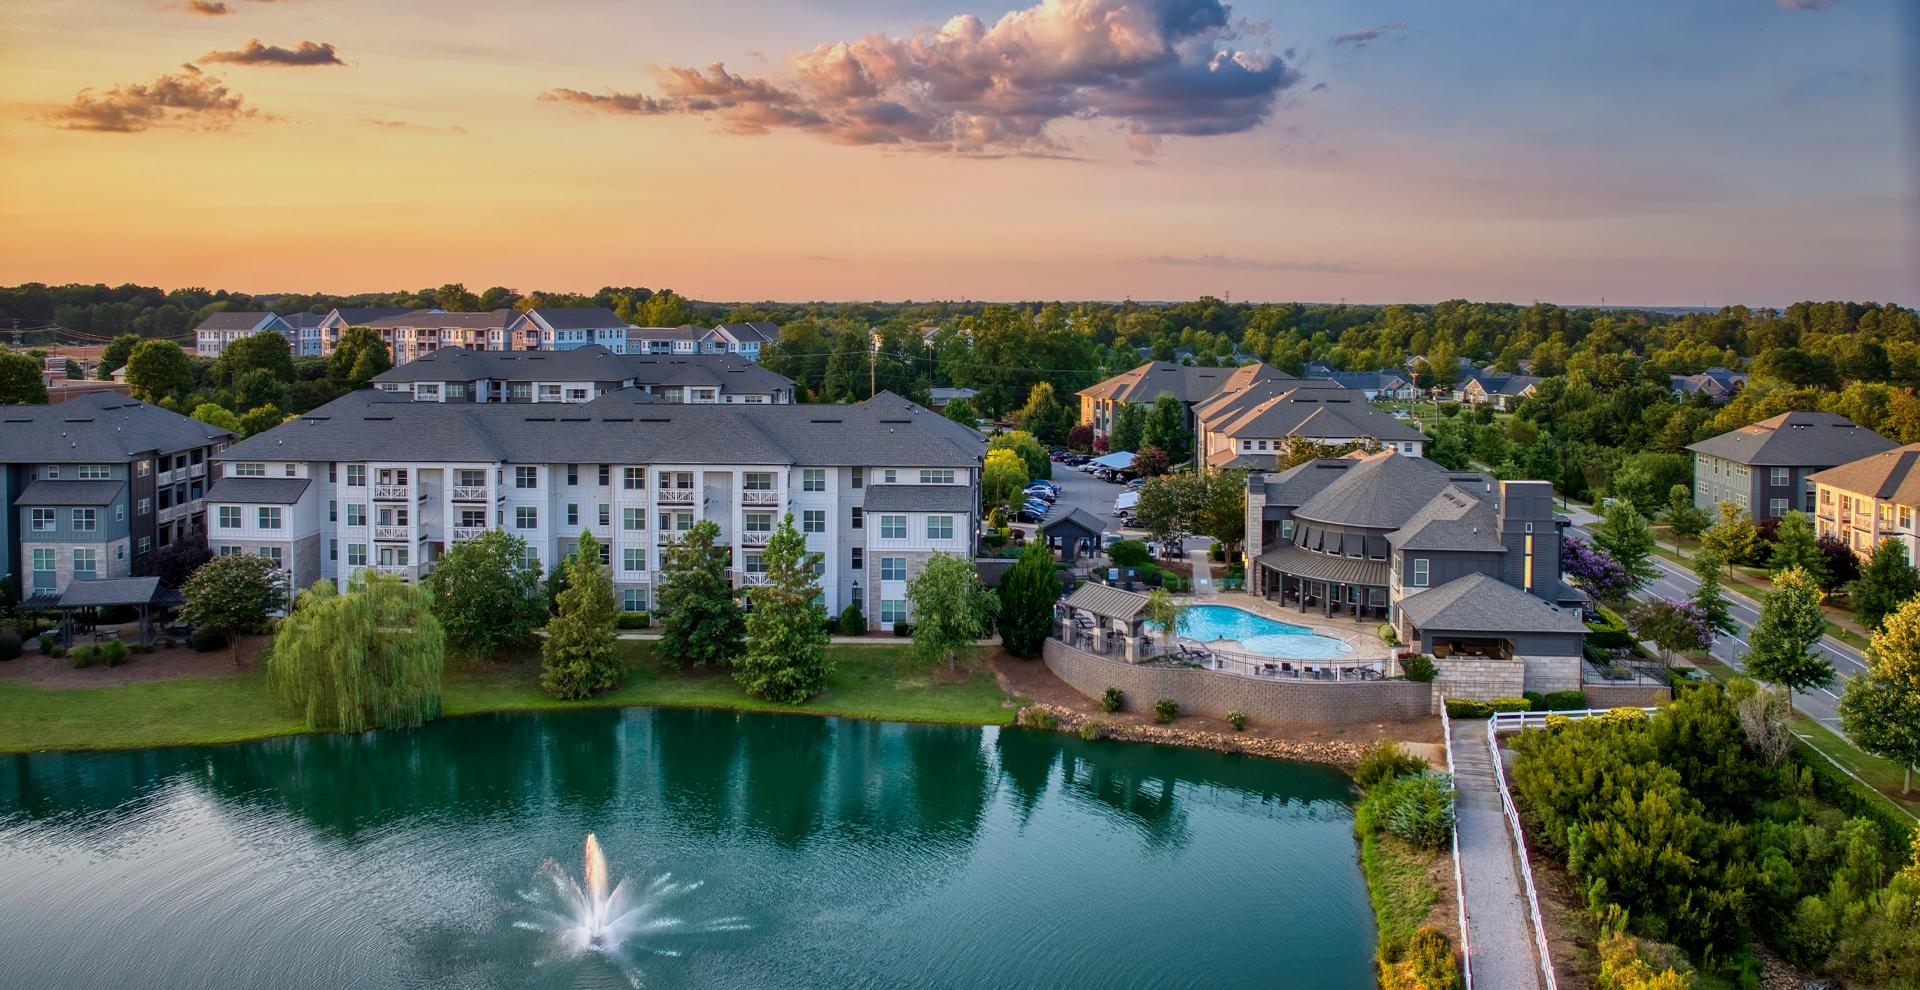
(582, 375)
(377, 481)
(563, 328)
(746, 339)
(218, 330)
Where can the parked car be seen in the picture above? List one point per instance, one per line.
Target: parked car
(1136, 483)
(1028, 515)
(1042, 494)
(1076, 460)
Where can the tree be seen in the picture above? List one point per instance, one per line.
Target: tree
(1733, 536)
(1708, 597)
(1881, 709)
(1683, 517)
(1021, 442)
(1299, 450)
(1166, 428)
(114, 356)
(487, 593)
(357, 356)
(950, 609)
(665, 308)
(1129, 423)
(1594, 572)
(1168, 506)
(257, 388)
(1003, 476)
(580, 657)
(1163, 610)
(1886, 583)
(1791, 623)
(234, 595)
(265, 351)
(174, 563)
(20, 380)
(1793, 546)
(700, 622)
(369, 659)
(1672, 626)
(1842, 567)
(786, 650)
(1043, 415)
(1027, 593)
(1150, 462)
(961, 411)
(1625, 537)
(260, 419)
(158, 369)
(218, 417)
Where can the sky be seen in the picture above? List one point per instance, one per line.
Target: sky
(1692, 153)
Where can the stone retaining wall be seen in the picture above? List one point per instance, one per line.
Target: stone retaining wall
(1212, 693)
(1625, 695)
(1336, 752)
(1477, 678)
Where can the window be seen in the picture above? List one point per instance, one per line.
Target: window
(526, 517)
(1419, 572)
(143, 468)
(44, 520)
(757, 522)
(50, 472)
(573, 474)
(859, 518)
(606, 555)
(813, 479)
(633, 600)
(333, 549)
(939, 527)
(244, 470)
(606, 514)
(757, 481)
(273, 554)
(573, 513)
(95, 472)
(940, 477)
(356, 555)
(333, 511)
(858, 559)
(893, 527)
(605, 471)
(633, 479)
(1906, 517)
(888, 476)
(753, 563)
(1778, 477)
(86, 563)
(813, 521)
(86, 520)
(143, 544)
(893, 610)
(43, 569)
(1776, 507)
(269, 517)
(893, 568)
(526, 477)
(633, 517)
(289, 470)
(356, 476)
(356, 514)
(633, 559)
(229, 517)
(456, 390)
(857, 476)
(144, 506)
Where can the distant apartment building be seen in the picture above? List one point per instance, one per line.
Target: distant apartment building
(1496, 389)
(675, 340)
(747, 339)
(1717, 384)
(420, 332)
(1766, 467)
(1866, 501)
(563, 328)
(340, 319)
(211, 337)
(1143, 385)
(1248, 427)
(95, 485)
(377, 481)
(582, 375)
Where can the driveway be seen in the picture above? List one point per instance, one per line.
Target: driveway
(1079, 490)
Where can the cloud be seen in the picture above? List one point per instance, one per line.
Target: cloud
(1806, 4)
(408, 125)
(189, 96)
(1244, 264)
(1365, 35)
(1318, 88)
(208, 8)
(1153, 68)
(255, 53)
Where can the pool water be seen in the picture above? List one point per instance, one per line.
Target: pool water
(1258, 634)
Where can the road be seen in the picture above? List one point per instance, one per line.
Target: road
(1676, 581)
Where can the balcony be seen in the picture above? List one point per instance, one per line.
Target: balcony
(666, 536)
(468, 533)
(676, 496)
(168, 477)
(753, 539)
(397, 570)
(749, 579)
(469, 493)
(394, 493)
(759, 496)
(197, 471)
(393, 534)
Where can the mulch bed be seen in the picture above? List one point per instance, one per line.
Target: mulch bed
(40, 670)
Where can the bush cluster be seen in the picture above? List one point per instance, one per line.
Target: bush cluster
(1039, 718)
(633, 620)
(1166, 710)
(1093, 729)
(1238, 720)
(1382, 762)
(1112, 700)
(1609, 632)
(1419, 667)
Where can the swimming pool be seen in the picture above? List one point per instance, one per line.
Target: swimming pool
(1258, 634)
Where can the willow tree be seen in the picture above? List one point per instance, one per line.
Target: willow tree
(367, 659)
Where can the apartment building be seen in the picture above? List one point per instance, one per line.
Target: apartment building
(1765, 467)
(340, 319)
(211, 337)
(582, 375)
(1248, 427)
(747, 339)
(564, 328)
(374, 480)
(1864, 502)
(675, 340)
(94, 485)
(1143, 385)
(419, 332)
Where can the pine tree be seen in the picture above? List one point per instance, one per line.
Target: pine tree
(1027, 594)
(1884, 584)
(700, 621)
(786, 650)
(1708, 597)
(1791, 623)
(369, 659)
(1793, 546)
(580, 658)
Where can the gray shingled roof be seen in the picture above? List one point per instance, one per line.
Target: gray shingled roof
(495, 320)
(360, 316)
(1078, 517)
(1187, 383)
(683, 332)
(578, 317)
(1454, 519)
(919, 498)
(753, 330)
(97, 427)
(1379, 492)
(1327, 567)
(113, 591)
(1892, 475)
(235, 321)
(1795, 439)
(593, 363)
(70, 493)
(1315, 413)
(267, 491)
(1485, 604)
(1104, 600)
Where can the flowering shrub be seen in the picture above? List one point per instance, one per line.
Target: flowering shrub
(1593, 571)
(1674, 625)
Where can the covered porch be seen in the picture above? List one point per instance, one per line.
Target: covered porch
(1330, 584)
(145, 595)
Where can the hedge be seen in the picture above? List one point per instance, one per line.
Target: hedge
(633, 620)
(1566, 701)
(1835, 787)
(1468, 708)
(1610, 632)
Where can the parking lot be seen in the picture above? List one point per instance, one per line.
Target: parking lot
(1079, 490)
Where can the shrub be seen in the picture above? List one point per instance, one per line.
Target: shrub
(1039, 718)
(1510, 705)
(1128, 553)
(853, 622)
(1609, 632)
(1238, 720)
(1536, 702)
(206, 640)
(633, 620)
(1419, 667)
(1467, 708)
(83, 656)
(1112, 700)
(57, 650)
(1093, 729)
(114, 653)
(1566, 701)
(831, 625)
(1418, 808)
(903, 629)
(1426, 962)
(140, 648)
(1387, 635)
(1383, 761)
(1166, 710)
(9, 644)
(47, 642)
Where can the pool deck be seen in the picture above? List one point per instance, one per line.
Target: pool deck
(1365, 645)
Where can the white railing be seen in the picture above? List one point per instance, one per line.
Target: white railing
(757, 496)
(469, 493)
(675, 496)
(197, 471)
(468, 532)
(403, 570)
(167, 477)
(391, 493)
(1515, 721)
(749, 579)
(391, 533)
(1459, 879)
(1519, 835)
(755, 539)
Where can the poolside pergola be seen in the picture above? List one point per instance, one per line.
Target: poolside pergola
(143, 594)
(1103, 619)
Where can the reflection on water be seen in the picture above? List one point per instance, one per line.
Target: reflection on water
(852, 853)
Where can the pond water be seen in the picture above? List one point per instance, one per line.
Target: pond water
(1258, 633)
(803, 852)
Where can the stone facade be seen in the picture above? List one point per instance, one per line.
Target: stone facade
(1626, 695)
(1479, 679)
(1214, 694)
(1549, 674)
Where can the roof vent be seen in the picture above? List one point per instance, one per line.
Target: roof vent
(379, 419)
(826, 421)
(539, 419)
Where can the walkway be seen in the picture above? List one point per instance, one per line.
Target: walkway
(1497, 927)
(1202, 571)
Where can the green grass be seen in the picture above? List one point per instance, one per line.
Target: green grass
(1397, 885)
(873, 682)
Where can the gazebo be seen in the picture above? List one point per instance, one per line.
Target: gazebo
(1072, 531)
(1103, 619)
(143, 594)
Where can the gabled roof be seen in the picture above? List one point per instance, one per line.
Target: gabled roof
(97, 427)
(1079, 518)
(575, 317)
(1285, 409)
(682, 332)
(1454, 519)
(497, 319)
(360, 316)
(1482, 603)
(730, 373)
(1795, 439)
(1107, 601)
(267, 491)
(241, 321)
(1498, 383)
(71, 493)
(753, 330)
(1891, 476)
(303, 321)
(1379, 492)
(1187, 383)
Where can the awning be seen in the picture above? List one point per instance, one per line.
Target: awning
(1119, 460)
(1127, 500)
(1107, 602)
(1325, 567)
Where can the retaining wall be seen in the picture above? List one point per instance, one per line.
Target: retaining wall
(1625, 695)
(1211, 693)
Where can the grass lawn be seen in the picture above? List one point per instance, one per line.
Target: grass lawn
(1398, 884)
(877, 682)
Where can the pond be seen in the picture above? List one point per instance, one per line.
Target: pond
(800, 851)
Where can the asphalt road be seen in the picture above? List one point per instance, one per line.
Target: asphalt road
(1079, 490)
(1676, 581)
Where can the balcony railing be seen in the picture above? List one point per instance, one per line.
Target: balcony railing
(469, 493)
(392, 493)
(666, 536)
(748, 579)
(392, 534)
(197, 471)
(676, 496)
(759, 496)
(401, 570)
(755, 539)
(468, 532)
(167, 477)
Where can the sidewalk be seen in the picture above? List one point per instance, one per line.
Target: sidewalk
(1498, 928)
(1740, 585)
